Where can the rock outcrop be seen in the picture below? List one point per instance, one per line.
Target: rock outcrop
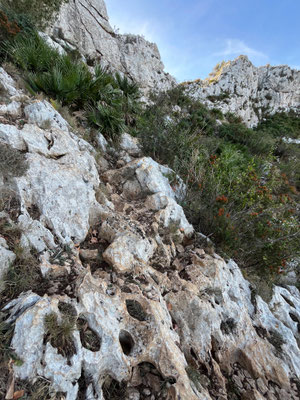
(84, 24)
(252, 93)
(154, 314)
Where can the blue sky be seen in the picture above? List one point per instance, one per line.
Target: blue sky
(194, 35)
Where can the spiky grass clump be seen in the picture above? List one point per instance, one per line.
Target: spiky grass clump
(60, 333)
(23, 275)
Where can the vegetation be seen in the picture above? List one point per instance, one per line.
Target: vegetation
(22, 275)
(107, 101)
(38, 12)
(60, 333)
(243, 186)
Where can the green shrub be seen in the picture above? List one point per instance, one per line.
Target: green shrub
(31, 53)
(11, 24)
(281, 125)
(237, 193)
(130, 98)
(39, 12)
(66, 80)
(253, 141)
(108, 118)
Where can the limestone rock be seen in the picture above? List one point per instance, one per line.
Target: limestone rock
(13, 109)
(130, 145)
(50, 42)
(167, 318)
(85, 24)
(170, 213)
(61, 180)
(128, 249)
(250, 92)
(35, 234)
(8, 83)
(45, 116)
(145, 176)
(125, 341)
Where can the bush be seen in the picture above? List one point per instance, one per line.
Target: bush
(237, 193)
(39, 12)
(109, 101)
(281, 125)
(130, 98)
(67, 81)
(252, 141)
(23, 275)
(109, 118)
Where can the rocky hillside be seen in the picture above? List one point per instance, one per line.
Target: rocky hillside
(85, 25)
(107, 291)
(252, 93)
(128, 302)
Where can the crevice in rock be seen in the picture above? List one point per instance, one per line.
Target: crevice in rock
(287, 300)
(113, 390)
(34, 212)
(98, 23)
(126, 342)
(228, 326)
(89, 339)
(153, 382)
(91, 36)
(294, 317)
(135, 310)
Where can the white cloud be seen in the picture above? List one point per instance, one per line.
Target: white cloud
(236, 47)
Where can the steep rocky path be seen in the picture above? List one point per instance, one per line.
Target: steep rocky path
(155, 313)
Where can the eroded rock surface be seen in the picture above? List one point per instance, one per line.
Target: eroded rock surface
(154, 314)
(241, 88)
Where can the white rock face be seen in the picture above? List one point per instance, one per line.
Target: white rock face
(145, 176)
(8, 83)
(43, 114)
(250, 92)
(61, 179)
(127, 250)
(85, 24)
(170, 213)
(125, 341)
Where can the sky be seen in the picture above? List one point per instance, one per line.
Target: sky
(194, 35)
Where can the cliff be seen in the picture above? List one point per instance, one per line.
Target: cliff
(85, 25)
(252, 93)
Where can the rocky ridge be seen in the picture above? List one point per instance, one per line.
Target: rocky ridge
(170, 319)
(235, 86)
(84, 24)
(251, 93)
